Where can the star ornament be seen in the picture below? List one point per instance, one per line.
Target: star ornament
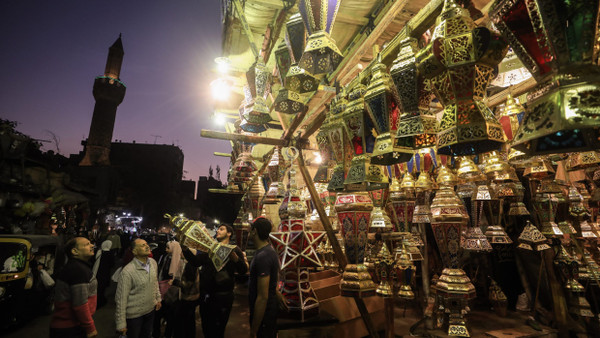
(297, 248)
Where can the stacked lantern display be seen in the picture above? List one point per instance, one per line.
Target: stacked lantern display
(454, 287)
(297, 250)
(557, 42)
(460, 62)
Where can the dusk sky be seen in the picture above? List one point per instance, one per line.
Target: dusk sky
(52, 51)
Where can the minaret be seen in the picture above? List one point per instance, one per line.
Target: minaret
(109, 92)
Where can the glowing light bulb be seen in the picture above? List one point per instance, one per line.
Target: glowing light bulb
(220, 89)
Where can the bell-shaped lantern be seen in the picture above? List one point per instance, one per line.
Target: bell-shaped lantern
(417, 126)
(362, 175)
(460, 62)
(557, 42)
(256, 110)
(321, 54)
(511, 117)
(381, 101)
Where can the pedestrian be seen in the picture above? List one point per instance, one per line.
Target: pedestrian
(216, 287)
(102, 268)
(262, 286)
(137, 295)
(75, 293)
(184, 321)
(170, 267)
(116, 243)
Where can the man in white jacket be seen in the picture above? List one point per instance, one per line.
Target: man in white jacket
(137, 294)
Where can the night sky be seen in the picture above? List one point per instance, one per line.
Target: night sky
(51, 51)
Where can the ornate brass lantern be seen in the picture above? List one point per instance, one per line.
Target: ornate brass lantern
(243, 124)
(243, 168)
(532, 239)
(362, 175)
(546, 203)
(380, 221)
(455, 289)
(354, 212)
(416, 128)
(339, 142)
(511, 117)
(256, 110)
(297, 249)
(401, 204)
(558, 43)
(298, 80)
(321, 54)
(276, 170)
(583, 160)
(254, 197)
(384, 264)
(405, 273)
(323, 174)
(381, 102)
(195, 235)
(460, 61)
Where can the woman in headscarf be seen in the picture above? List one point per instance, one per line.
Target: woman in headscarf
(102, 270)
(170, 268)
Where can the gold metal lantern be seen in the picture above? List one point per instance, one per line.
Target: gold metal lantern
(460, 62)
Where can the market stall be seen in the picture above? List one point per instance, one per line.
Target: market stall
(435, 155)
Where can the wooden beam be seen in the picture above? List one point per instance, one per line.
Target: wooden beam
(244, 138)
(216, 153)
(245, 26)
(515, 91)
(337, 249)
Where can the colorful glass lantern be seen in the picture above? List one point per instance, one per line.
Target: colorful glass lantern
(449, 216)
(354, 213)
(511, 117)
(510, 71)
(297, 249)
(557, 41)
(256, 110)
(401, 205)
(243, 168)
(405, 272)
(381, 102)
(460, 62)
(362, 175)
(254, 197)
(297, 80)
(417, 126)
(384, 264)
(321, 54)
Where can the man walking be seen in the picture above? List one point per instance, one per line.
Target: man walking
(75, 293)
(216, 288)
(137, 293)
(262, 288)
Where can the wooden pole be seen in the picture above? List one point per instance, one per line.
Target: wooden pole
(246, 27)
(244, 138)
(337, 250)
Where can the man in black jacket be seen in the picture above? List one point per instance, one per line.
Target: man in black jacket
(216, 288)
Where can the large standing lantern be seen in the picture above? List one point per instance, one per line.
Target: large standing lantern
(321, 54)
(354, 213)
(558, 43)
(460, 61)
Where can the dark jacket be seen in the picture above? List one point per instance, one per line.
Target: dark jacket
(212, 281)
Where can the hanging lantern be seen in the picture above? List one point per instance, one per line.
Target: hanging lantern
(557, 42)
(283, 61)
(417, 126)
(321, 54)
(381, 102)
(511, 71)
(256, 110)
(243, 168)
(511, 117)
(323, 174)
(241, 227)
(460, 61)
(380, 221)
(401, 204)
(446, 177)
(362, 175)
(583, 160)
(242, 123)
(254, 197)
(339, 142)
(354, 212)
(276, 171)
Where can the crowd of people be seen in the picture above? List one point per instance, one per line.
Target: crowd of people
(160, 299)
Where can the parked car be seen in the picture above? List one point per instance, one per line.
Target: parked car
(24, 292)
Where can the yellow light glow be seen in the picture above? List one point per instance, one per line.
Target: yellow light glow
(318, 158)
(220, 89)
(222, 65)
(219, 119)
